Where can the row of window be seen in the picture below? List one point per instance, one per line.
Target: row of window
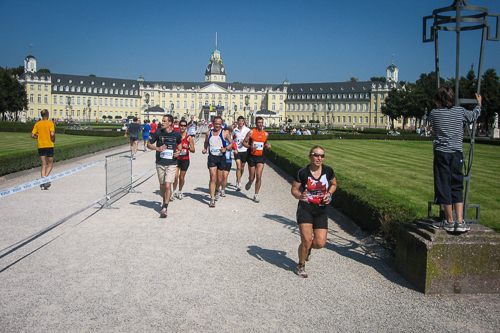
(32, 87)
(95, 90)
(200, 96)
(323, 107)
(328, 96)
(345, 119)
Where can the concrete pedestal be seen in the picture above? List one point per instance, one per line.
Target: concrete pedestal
(438, 262)
(495, 134)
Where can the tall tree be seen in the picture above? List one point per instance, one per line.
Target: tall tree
(490, 91)
(378, 78)
(12, 94)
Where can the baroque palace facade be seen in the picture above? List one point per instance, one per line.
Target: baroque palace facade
(86, 98)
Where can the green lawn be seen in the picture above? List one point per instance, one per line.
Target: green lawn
(15, 142)
(402, 170)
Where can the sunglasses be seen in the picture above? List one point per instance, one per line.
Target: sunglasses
(182, 125)
(318, 155)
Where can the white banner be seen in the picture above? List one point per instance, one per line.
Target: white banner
(38, 182)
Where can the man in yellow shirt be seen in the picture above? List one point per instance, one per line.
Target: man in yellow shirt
(45, 134)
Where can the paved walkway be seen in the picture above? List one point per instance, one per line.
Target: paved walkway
(226, 269)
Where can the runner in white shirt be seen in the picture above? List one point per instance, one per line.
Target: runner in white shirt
(240, 153)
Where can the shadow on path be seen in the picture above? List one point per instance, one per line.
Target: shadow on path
(275, 257)
(349, 249)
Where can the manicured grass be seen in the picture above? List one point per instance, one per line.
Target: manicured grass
(14, 142)
(402, 170)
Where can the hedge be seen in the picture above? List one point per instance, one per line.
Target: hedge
(29, 159)
(369, 209)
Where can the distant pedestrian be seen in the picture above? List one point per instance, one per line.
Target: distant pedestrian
(45, 134)
(134, 130)
(447, 127)
(313, 186)
(146, 130)
(192, 125)
(154, 126)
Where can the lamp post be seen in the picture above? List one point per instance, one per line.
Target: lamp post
(328, 114)
(234, 113)
(247, 101)
(89, 109)
(68, 106)
(146, 96)
(172, 109)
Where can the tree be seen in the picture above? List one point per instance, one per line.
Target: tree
(353, 79)
(289, 120)
(43, 70)
(378, 78)
(302, 121)
(13, 96)
(490, 91)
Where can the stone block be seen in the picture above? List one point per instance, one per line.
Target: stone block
(438, 262)
(495, 133)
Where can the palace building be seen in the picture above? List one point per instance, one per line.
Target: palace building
(83, 98)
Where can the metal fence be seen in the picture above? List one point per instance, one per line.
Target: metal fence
(118, 177)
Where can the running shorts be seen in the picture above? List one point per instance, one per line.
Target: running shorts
(318, 219)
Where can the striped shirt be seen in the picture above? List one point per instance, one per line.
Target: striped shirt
(447, 127)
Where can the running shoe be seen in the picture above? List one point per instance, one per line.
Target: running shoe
(223, 193)
(309, 255)
(217, 194)
(462, 226)
(172, 197)
(444, 225)
(238, 187)
(180, 196)
(133, 156)
(301, 270)
(248, 185)
(256, 198)
(42, 186)
(47, 185)
(212, 203)
(163, 213)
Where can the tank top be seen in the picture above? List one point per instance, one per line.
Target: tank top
(184, 154)
(257, 141)
(215, 143)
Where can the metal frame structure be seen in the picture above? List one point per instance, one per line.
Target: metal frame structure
(466, 18)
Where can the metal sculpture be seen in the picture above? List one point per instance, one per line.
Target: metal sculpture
(466, 18)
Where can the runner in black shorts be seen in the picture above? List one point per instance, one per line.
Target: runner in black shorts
(182, 160)
(313, 186)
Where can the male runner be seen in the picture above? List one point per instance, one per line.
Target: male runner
(168, 147)
(191, 127)
(45, 134)
(215, 145)
(146, 129)
(153, 126)
(134, 130)
(240, 153)
(256, 142)
(183, 159)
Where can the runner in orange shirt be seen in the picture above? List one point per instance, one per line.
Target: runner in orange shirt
(45, 134)
(256, 142)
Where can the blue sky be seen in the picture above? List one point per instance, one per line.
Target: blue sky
(259, 41)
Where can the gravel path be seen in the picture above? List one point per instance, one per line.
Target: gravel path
(226, 269)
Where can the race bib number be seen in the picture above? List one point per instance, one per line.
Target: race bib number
(167, 154)
(258, 145)
(228, 155)
(183, 152)
(215, 151)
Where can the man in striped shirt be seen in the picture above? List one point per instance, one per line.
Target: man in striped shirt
(447, 127)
